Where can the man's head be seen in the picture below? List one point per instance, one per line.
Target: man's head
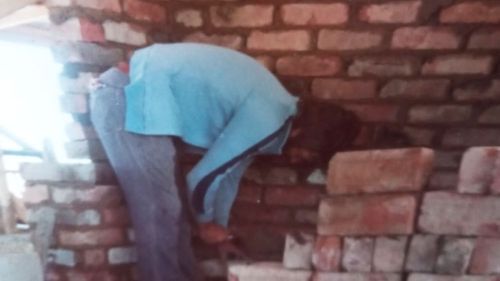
(320, 130)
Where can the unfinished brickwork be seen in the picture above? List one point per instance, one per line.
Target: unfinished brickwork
(416, 72)
(378, 223)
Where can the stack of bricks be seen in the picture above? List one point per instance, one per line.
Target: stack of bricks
(91, 238)
(379, 223)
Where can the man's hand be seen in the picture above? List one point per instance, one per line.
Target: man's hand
(212, 233)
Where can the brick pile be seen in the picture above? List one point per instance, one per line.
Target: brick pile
(378, 223)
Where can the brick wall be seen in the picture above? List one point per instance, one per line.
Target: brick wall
(417, 73)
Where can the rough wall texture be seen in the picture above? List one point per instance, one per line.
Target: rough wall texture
(417, 73)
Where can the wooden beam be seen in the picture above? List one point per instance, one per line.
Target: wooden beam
(10, 6)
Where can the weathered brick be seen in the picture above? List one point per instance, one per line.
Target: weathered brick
(424, 38)
(101, 5)
(485, 39)
(94, 257)
(308, 65)
(486, 257)
(329, 276)
(490, 115)
(213, 268)
(471, 12)
(343, 40)
(478, 91)
(87, 275)
(471, 137)
(373, 171)
(96, 237)
(260, 214)
(292, 196)
(383, 66)
(189, 18)
(389, 254)
(458, 64)
(87, 173)
(125, 33)
(77, 104)
(266, 271)
(357, 254)
(340, 89)
(63, 257)
(242, 16)
(374, 113)
(122, 255)
(78, 218)
(298, 251)
(430, 277)
(315, 14)
(443, 180)
(87, 53)
(85, 149)
(428, 89)
(118, 216)
(456, 214)
(392, 12)
(327, 253)
(228, 41)
(91, 31)
(422, 254)
(279, 176)
(80, 29)
(104, 195)
(368, 215)
(294, 40)
(439, 113)
(477, 169)
(36, 194)
(306, 216)
(455, 255)
(144, 11)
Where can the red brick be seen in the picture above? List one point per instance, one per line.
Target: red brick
(373, 171)
(392, 12)
(485, 39)
(477, 169)
(419, 136)
(94, 257)
(249, 194)
(228, 41)
(116, 216)
(36, 194)
(308, 65)
(486, 257)
(479, 91)
(490, 116)
(458, 64)
(101, 5)
(433, 89)
(91, 32)
(144, 11)
(471, 12)
(431, 277)
(242, 16)
(266, 271)
(104, 195)
(439, 113)
(293, 40)
(292, 196)
(315, 14)
(389, 254)
(455, 255)
(122, 32)
(279, 176)
(456, 214)
(374, 113)
(383, 66)
(327, 253)
(357, 254)
(260, 214)
(189, 18)
(74, 104)
(96, 237)
(471, 137)
(343, 40)
(368, 215)
(426, 37)
(340, 89)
